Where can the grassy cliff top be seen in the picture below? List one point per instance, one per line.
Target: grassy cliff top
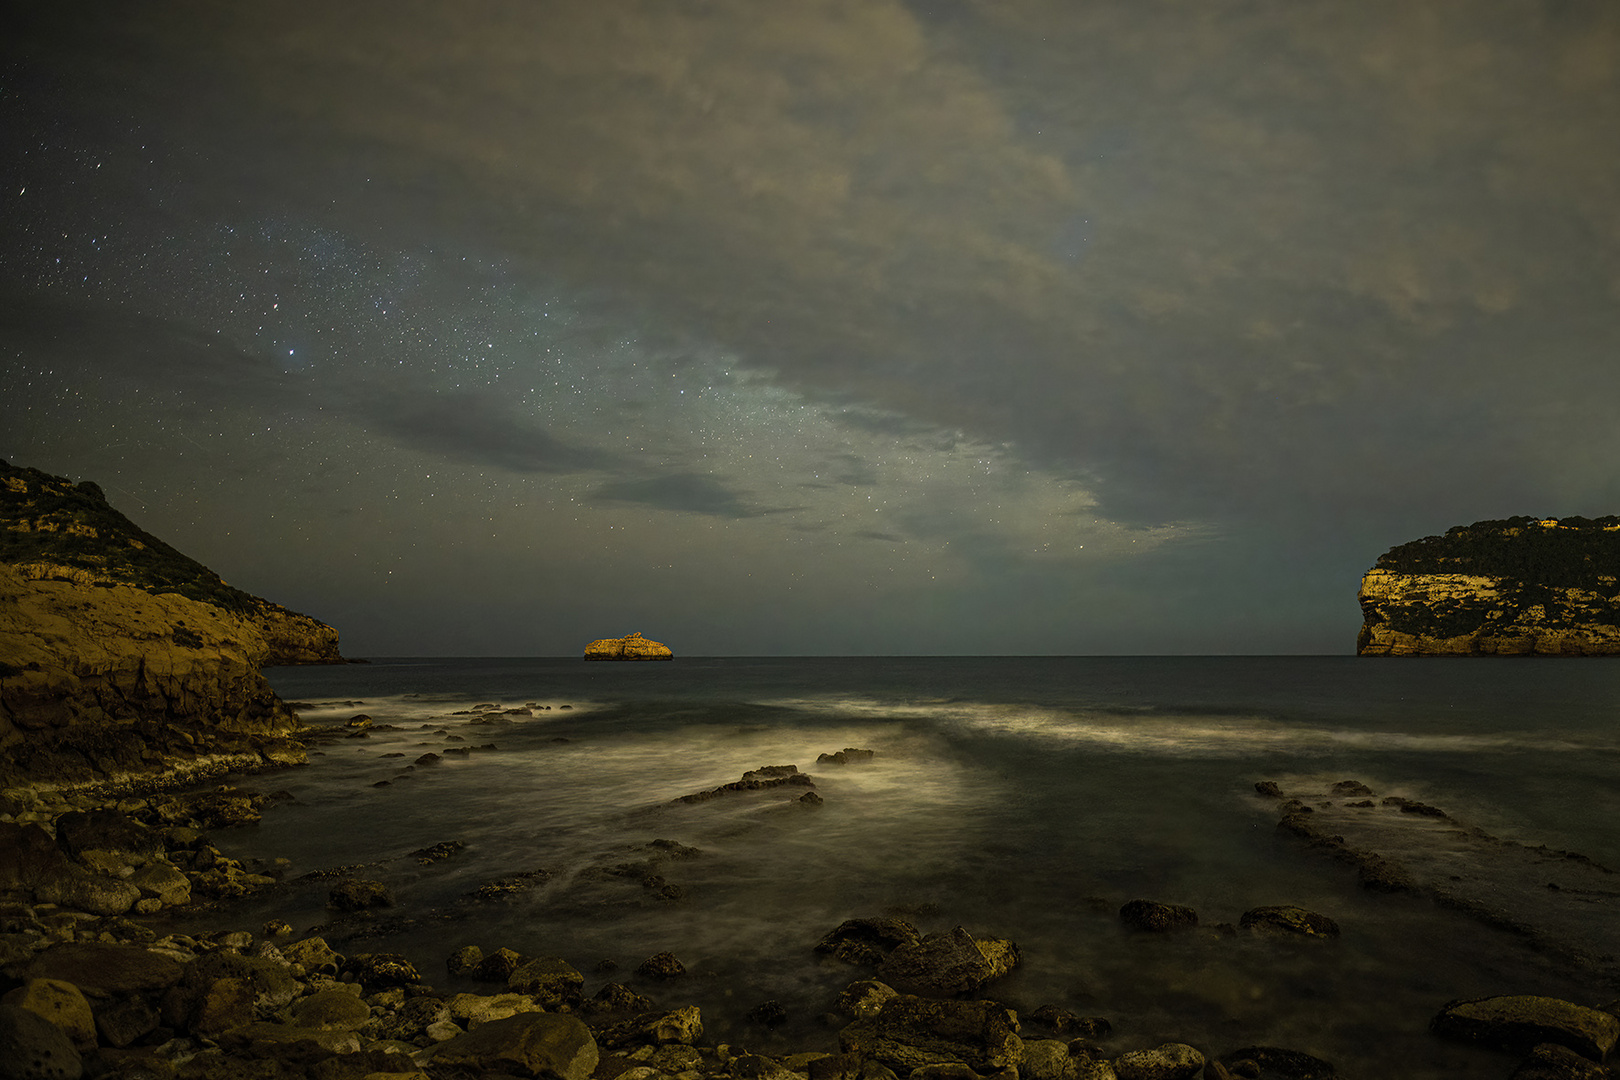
(50, 520)
(1572, 552)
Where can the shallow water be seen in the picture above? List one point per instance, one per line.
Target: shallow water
(1022, 798)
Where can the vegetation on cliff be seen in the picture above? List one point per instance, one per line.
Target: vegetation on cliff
(1520, 585)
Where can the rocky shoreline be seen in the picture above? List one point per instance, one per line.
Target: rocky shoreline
(89, 988)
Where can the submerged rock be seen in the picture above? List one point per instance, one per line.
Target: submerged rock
(1287, 919)
(948, 963)
(867, 941)
(1150, 916)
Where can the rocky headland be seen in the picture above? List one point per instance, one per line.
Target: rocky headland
(1520, 587)
(632, 647)
(123, 661)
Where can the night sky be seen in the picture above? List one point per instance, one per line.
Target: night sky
(814, 326)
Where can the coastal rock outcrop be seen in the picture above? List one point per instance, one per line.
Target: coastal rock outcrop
(633, 647)
(1521, 586)
(117, 652)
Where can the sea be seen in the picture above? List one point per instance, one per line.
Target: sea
(1025, 798)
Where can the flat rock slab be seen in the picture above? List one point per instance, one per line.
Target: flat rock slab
(1563, 902)
(1520, 1022)
(102, 969)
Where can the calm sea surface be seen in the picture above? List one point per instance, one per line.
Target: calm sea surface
(1025, 798)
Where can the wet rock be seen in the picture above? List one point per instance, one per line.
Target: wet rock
(127, 1021)
(499, 965)
(1276, 1063)
(96, 893)
(272, 985)
(867, 941)
(1351, 789)
(810, 798)
(1269, 789)
(164, 882)
(465, 961)
(105, 970)
(475, 1009)
(1064, 1022)
(528, 1044)
(864, 998)
(1170, 1061)
(551, 980)
(221, 1005)
(1150, 916)
(1046, 1059)
(910, 1032)
(1549, 1061)
(847, 756)
(618, 998)
(29, 857)
(444, 849)
(357, 895)
(1287, 919)
(684, 1026)
(661, 966)
(376, 971)
(1521, 1021)
(33, 1048)
(1412, 806)
(333, 1010)
(360, 721)
(62, 1004)
(948, 963)
(105, 839)
(314, 955)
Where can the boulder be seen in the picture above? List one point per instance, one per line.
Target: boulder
(865, 997)
(1150, 916)
(910, 1032)
(631, 647)
(661, 966)
(684, 1026)
(475, 1009)
(220, 1005)
(1170, 1061)
(528, 1044)
(314, 955)
(1287, 919)
(332, 1010)
(33, 1048)
(464, 961)
(123, 1022)
(1519, 1022)
(62, 1004)
(104, 969)
(948, 963)
(116, 838)
(499, 965)
(867, 941)
(97, 894)
(164, 882)
(377, 971)
(551, 980)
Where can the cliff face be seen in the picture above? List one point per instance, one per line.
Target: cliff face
(119, 655)
(1523, 586)
(634, 647)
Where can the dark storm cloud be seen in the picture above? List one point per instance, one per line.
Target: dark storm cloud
(681, 492)
(474, 428)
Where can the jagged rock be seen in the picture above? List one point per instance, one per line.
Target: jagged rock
(1287, 919)
(867, 941)
(377, 971)
(684, 1026)
(551, 980)
(1511, 587)
(910, 1032)
(1518, 1022)
(33, 1048)
(633, 647)
(62, 1004)
(1150, 916)
(499, 965)
(1064, 1022)
(529, 1044)
(1276, 1063)
(314, 955)
(847, 756)
(865, 997)
(948, 963)
(1170, 1061)
(618, 998)
(1549, 1061)
(464, 962)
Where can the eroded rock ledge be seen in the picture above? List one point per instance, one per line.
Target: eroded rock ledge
(1518, 587)
(633, 647)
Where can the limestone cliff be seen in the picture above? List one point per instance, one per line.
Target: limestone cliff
(634, 647)
(1523, 586)
(119, 655)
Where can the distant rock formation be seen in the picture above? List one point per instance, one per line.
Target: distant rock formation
(634, 647)
(1519, 587)
(120, 656)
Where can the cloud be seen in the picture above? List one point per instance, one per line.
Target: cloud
(680, 492)
(476, 428)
